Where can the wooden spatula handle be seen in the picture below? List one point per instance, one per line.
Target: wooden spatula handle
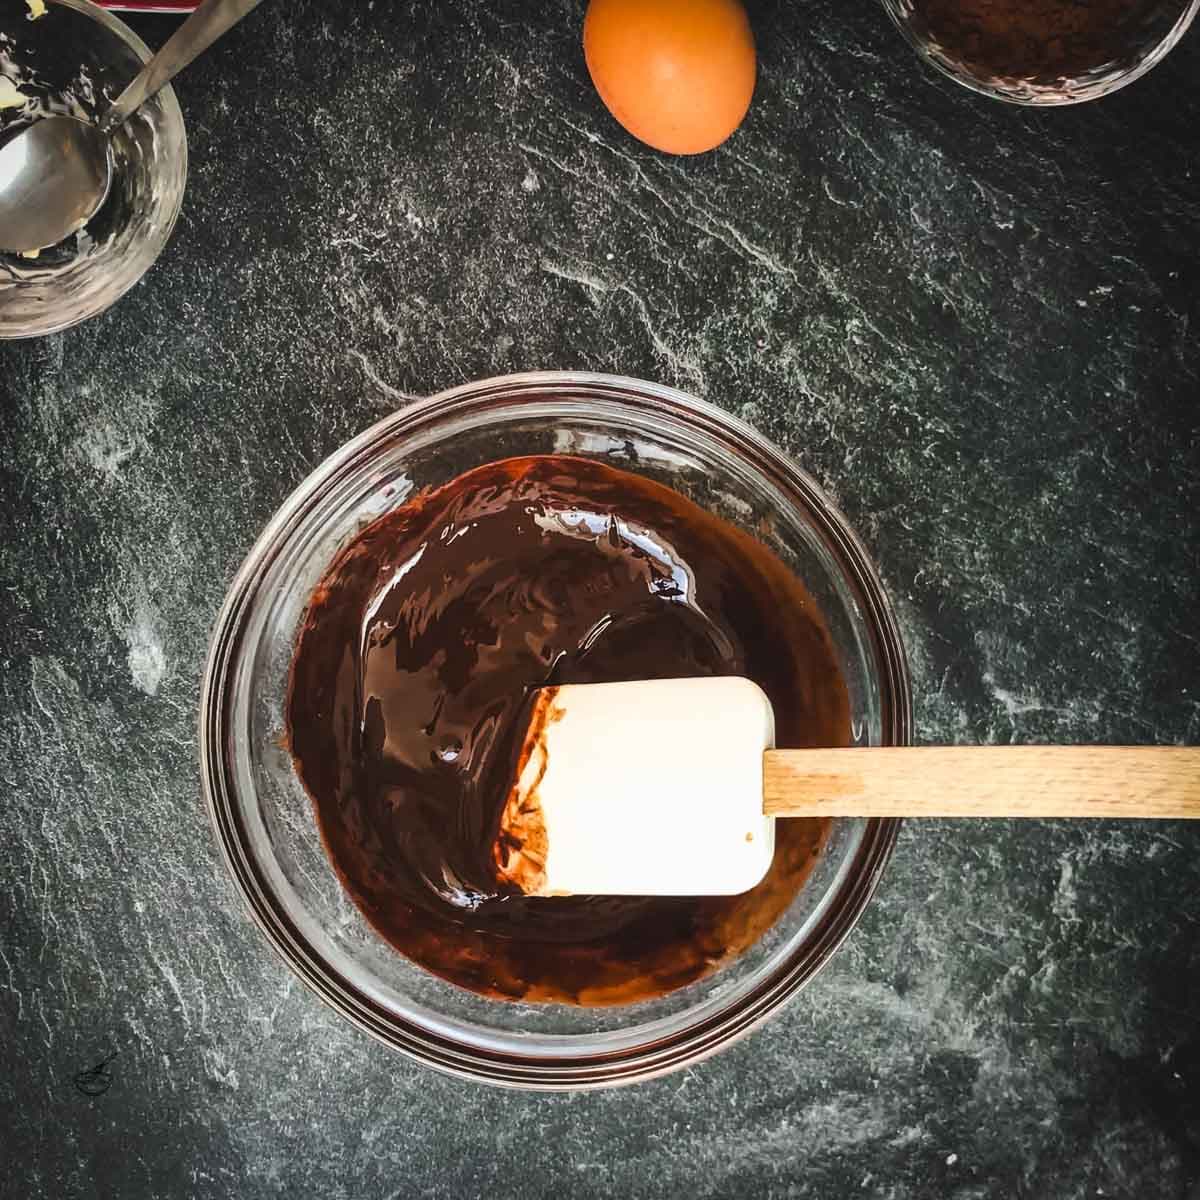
(984, 781)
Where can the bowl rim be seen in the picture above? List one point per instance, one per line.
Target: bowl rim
(162, 234)
(980, 87)
(605, 1068)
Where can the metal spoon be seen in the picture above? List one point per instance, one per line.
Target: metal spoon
(55, 174)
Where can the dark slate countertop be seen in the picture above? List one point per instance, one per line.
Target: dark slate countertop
(976, 326)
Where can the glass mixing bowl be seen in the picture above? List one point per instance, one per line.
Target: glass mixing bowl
(946, 34)
(265, 821)
(76, 59)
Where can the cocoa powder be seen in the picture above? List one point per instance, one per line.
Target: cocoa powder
(1044, 39)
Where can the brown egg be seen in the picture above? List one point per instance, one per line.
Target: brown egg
(678, 74)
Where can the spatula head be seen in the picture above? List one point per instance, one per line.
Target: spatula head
(641, 789)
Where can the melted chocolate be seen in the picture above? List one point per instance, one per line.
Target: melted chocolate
(410, 692)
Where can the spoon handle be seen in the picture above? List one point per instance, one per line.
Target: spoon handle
(984, 781)
(212, 19)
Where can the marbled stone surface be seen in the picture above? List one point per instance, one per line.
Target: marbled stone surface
(977, 326)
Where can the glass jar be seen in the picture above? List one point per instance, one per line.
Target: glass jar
(1043, 52)
(79, 54)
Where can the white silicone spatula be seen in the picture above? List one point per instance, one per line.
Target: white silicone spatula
(672, 787)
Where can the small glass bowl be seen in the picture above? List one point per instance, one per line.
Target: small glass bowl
(265, 822)
(79, 50)
(1148, 43)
